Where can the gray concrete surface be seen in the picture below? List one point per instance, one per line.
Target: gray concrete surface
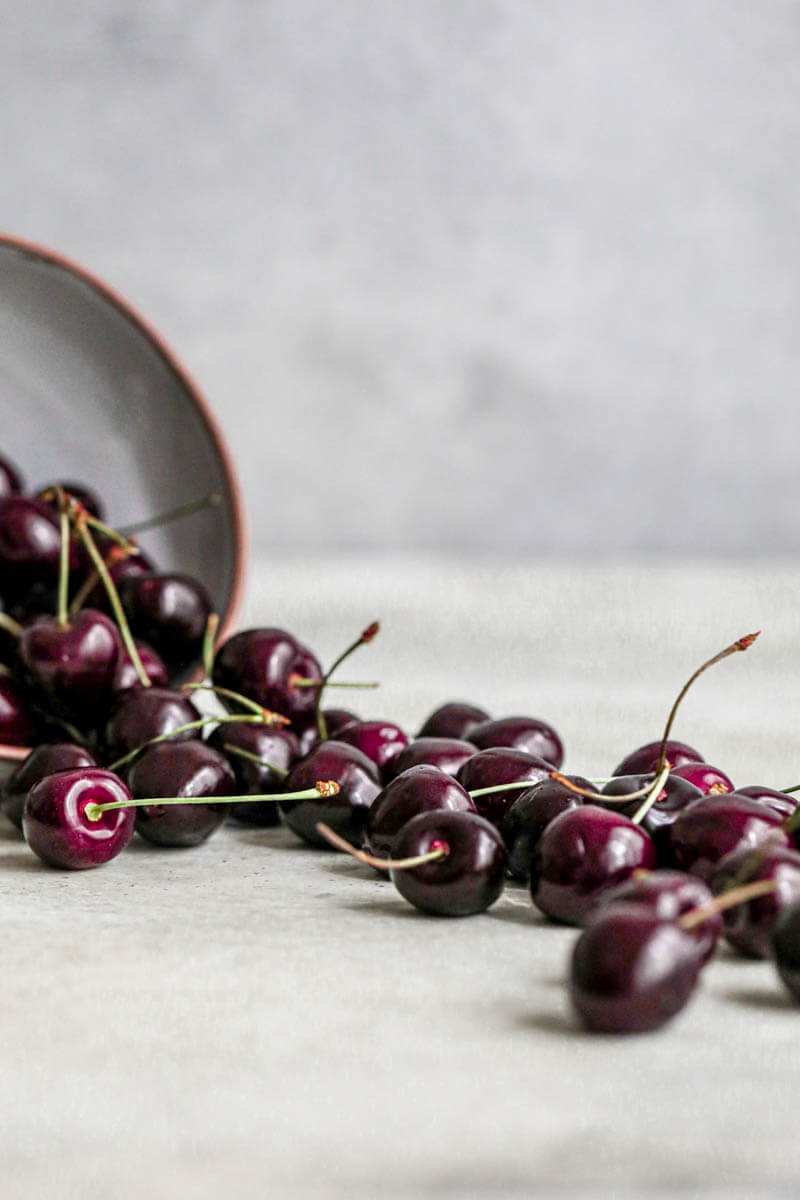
(256, 1019)
(480, 275)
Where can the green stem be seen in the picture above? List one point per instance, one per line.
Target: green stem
(118, 539)
(241, 753)
(63, 564)
(209, 639)
(642, 812)
(319, 683)
(187, 728)
(728, 899)
(10, 625)
(268, 717)
(365, 636)
(211, 500)
(93, 812)
(382, 864)
(114, 600)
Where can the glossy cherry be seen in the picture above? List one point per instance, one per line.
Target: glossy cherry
(169, 611)
(55, 824)
(749, 926)
(381, 741)
(305, 726)
(673, 798)
(530, 814)
(30, 551)
(264, 664)
(141, 714)
(645, 759)
(786, 947)
(778, 802)
(448, 754)
(126, 676)
(467, 880)
(453, 720)
(520, 733)
(419, 789)
(718, 825)
(240, 743)
(581, 854)
(670, 895)
(501, 765)
(44, 760)
(186, 768)
(631, 971)
(710, 780)
(71, 667)
(346, 812)
(17, 724)
(121, 566)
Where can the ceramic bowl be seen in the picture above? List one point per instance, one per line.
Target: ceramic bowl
(90, 392)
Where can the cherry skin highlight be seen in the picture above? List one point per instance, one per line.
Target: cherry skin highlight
(346, 812)
(778, 802)
(262, 664)
(644, 761)
(520, 733)
(273, 748)
(530, 814)
(190, 768)
(57, 829)
(631, 972)
(499, 765)
(448, 754)
(670, 895)
(453, 720)
(749, 926)
(718, 825)
(467, 880)
(42, 761)
(581, 854)
(419, 789)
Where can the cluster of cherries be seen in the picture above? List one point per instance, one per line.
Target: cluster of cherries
(654, 862)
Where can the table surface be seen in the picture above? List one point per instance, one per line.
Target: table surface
(253, 1017)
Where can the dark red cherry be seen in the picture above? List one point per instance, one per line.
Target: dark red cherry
(274, 748)
(345, 813)
(718, 825)
(670, 895)
(262, 665)
(520, 733)
(57, 828)
(71, 667)
(786, 947)
(645, 759)
(168, 611)
(453, 720)
(631, 971)
(419, 789)
(467, 880)
(190, 768)
(448, 754)
(125, 675)
(781, 803)
(381, 741)
(673, 798)
(581, 854)
(17, 725)
(120, 567)
(42, 761)
(10, 478)
(710, 780)
(142, 714)
(501, 764)
(530, 814)
(305, 726)
(749, 926)
(87, 497)
(30, 550)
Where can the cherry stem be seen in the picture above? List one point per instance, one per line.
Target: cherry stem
(90, 583)
(209, 641)
(324, 787)
(301, 682)
(523, 784)
(789, 791)
(437, 851)
(657, 787)
(367, 635)
(200, 723)
(579, 791)
(63, 561)
(268, 717)
(10, 625)
(742, 643)
(113, 535)
(240, 752)
(728, 899)
(211, 500)
(80, 519)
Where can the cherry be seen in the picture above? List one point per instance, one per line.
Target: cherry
(30, 551)
(448, 754)
(10, 478)
(520, 733)
(779, 802)
(717, 825)
(645, 760)
(581, 854)
(42, 761)
(749, 927)
(453, 720)
(186, 768)
(710, 780)
(264, 664)
(57, 828)
(71, 665)
(142, 714)
(381, 741)
(419, 789)
(464, 881)
(528, 817)
(86, 496)
(670, 895)
(121, 566)
(499, 765)
(305, 727)
(346, 811)
(168, 611)
(786, 947)
(673, 798)
(125, 675)
(16, 722)
(631, 971)
(261, 758)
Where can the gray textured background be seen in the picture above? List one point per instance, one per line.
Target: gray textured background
(482, 276)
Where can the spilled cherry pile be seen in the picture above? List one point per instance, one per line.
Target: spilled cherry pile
(654, 863)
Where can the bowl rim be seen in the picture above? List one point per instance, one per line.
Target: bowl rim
(191, 389)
